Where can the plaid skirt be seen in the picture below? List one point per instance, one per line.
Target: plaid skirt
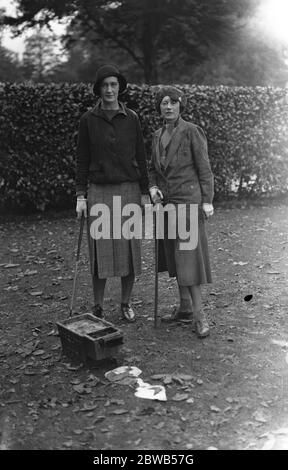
(190, 267)
(113, 257)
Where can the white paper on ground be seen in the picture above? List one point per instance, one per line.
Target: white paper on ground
(122, 373)
(151, 392)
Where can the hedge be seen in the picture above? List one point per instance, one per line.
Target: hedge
(246, 130)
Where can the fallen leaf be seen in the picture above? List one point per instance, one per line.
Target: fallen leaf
(180, 397)
(119, 412)
(87, 407)
(68, 444)
(259, 416)
(177, 380)
(99, 418)
(29, 272)
(117, 402)
(190, 400)
(158, 376)
(281, 431)
(39, 352)
(14, 381)
(159, 425)
(229, 399)
(79, 388)
(215, 409)
(185, 377)
(167, 380)
(11, 265)
(74, 368)
(146, 411)
(75, 381)
(279, 342)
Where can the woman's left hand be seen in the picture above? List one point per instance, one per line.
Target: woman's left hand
(208, 209)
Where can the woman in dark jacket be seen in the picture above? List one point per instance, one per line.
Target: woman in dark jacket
(180, 173)
(111, 163)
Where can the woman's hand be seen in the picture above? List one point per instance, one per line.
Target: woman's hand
(155, 194)
(81, 207)
(208, 209)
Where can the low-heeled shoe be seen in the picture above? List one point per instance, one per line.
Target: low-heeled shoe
(127, 313)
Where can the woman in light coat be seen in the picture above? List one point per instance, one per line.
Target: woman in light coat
(180, 173)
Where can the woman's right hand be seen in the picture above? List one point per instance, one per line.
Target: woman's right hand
(81, 207)
(155, 194)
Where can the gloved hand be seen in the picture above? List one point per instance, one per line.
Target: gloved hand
(208, 209)
(155, 194)
(81, 207)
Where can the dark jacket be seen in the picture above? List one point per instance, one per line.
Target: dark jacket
(187, 176)
(110, 151)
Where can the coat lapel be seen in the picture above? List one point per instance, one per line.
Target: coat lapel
(175, 141)
(157, 148)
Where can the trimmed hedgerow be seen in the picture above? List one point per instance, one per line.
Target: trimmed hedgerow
(246, 130)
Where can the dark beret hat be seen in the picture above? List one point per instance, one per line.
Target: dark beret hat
(108, 71)
(174, 93)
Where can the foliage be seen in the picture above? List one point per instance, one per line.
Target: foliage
(154, 33)
(37, 149)
(246, 130)
(39, 56)
(10, 69)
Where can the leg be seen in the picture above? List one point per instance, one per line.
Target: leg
(184, 312)
(98, 290)
(185, 299)
(127, 283)
(195, 292)
(201, 323)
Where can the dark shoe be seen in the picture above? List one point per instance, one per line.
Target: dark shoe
(176, 316)
(97, 311)
(127, 313)
(201, 324)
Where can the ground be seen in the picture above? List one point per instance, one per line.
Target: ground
(228, 391)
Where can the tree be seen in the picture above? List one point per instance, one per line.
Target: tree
(10, 70)
(39, 56)
(151, 32)
(84, 57)
(249, 61)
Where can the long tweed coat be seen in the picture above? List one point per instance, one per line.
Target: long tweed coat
(186, 178)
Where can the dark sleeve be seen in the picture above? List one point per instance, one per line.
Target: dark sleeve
(82, 157)
(141, 157)
(152, 169)
(201, 160)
